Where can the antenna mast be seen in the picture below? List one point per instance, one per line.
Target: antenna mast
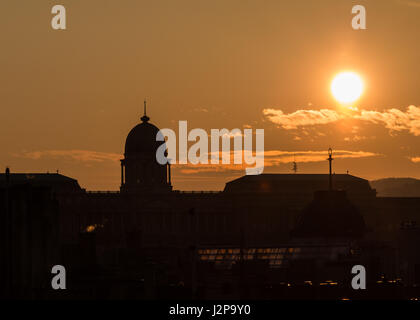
(294, 168)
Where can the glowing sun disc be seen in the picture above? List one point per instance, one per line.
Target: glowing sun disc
(347, 87)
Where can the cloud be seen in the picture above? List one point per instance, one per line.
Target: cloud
(78, 155)
(392, 119)
(301, 118)
(357, 138)
(415, 159)
(274, 158)
(201, 109)
(395, 119)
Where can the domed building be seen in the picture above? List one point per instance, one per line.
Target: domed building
(330, 215)
(140, 171)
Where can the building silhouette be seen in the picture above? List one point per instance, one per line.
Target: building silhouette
(259, 236)
(140, 172)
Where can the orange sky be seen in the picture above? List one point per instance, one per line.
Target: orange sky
(69, 98)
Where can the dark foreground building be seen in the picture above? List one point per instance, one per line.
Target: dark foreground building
(265, 236)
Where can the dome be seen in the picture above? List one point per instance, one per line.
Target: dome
(142, 138)
(330, 215)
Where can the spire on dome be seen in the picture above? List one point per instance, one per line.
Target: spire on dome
(145, 118)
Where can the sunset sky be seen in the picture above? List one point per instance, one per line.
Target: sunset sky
(69, 98)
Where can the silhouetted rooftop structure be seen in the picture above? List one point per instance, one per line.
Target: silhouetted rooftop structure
(330, 215)
(140, 172)
(56, 181)
(298, 184)
(146, 228)
(142, 139)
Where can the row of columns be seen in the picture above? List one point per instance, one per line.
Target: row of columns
(168, 172)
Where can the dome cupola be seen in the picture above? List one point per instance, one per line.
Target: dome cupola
(140, 171)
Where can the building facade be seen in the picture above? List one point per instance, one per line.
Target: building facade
(254, 218)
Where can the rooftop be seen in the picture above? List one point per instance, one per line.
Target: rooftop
(55, 180)
(296, 183)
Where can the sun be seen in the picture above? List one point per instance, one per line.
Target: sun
(347, 87)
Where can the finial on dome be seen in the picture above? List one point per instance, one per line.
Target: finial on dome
(145, 118)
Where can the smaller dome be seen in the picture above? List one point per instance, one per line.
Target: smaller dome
(142, 138)
(330, 215)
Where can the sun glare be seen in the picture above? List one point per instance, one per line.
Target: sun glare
(347, 87)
